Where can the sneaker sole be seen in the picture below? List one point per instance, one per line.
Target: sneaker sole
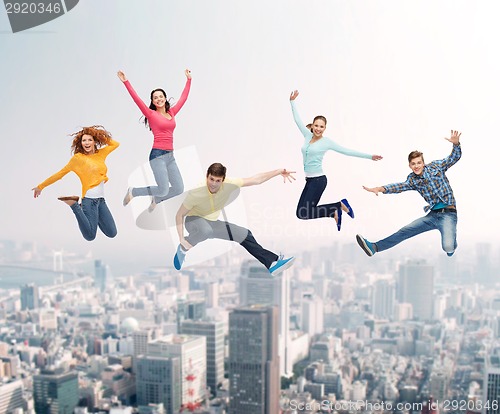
(363, 245)
(284, 267)
(177, 263)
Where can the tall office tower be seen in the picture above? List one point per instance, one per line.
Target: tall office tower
(258, 287)
(55, 392)
(212, 294)
(491, 384)
(102, 276)
(190, 309)
(11, 396)
(416, 286)
(140, 341)
(312, 314)
(254, 378)
(483, 271)
(30, 297)
(158, 381)
(383, 299)
(213, 331)
(191, 351)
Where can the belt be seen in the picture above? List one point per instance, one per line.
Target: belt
(449, 209)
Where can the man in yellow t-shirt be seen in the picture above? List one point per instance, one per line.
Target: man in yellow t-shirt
(201, 210)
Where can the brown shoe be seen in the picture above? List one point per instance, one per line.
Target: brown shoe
(69, 198)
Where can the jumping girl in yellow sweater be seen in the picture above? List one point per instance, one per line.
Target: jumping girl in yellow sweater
(90, 146)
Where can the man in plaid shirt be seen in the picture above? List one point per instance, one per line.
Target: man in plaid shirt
(432, 184)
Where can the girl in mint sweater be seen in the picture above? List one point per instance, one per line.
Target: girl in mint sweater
(314, 147)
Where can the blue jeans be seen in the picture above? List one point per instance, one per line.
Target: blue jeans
(308, 208)
(201, 229)
(444, 221)
(167, 175)
(93, 213)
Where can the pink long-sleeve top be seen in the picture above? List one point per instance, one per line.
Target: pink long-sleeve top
(163, 128)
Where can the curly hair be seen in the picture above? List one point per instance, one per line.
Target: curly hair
(100, 135)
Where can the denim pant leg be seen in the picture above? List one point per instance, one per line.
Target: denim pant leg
(420, 225)
(199, 230)
(106, 221)
(229, 231)
(175, 178)
(87, 216)
(447, 226)
(159, 166)
(308, 207)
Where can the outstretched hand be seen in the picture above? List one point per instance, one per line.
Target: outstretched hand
(287, 175)
(293, 95)
(122, 76)
(374, 190)
(377, 157)
(36, 192)
(187, 72)
(454, 138)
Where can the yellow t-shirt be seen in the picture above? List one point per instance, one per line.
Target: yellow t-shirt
(202, 203)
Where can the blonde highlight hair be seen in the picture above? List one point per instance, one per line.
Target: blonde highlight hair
(100, 135)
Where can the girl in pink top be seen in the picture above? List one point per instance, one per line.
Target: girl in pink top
(160, 117)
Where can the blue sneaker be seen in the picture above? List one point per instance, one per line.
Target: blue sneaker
(450, 254)
(280, 265)
(350, 211)
(368, 247)
(179, 257)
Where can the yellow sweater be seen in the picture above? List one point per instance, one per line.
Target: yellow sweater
(91, 169)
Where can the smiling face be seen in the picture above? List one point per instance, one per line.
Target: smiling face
(158, 98)
(88, 144)
(214, 183)
(417, 165)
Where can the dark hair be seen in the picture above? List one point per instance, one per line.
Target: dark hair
(321, 117)
(415, 154)
(217, 170)
(309, 127)
(153, 106)
(100, 135)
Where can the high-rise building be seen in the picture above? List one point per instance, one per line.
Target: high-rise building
(254, 378)
(190, 309)
(383, 299)
(11, 396)
(30, 297)
(159, 381)
(55, 392)
(212, 294)
(213, 331)
(258, 287)
(483, 264)
(312, 315)
(191, 351)
(102, 276)
(416, 286)
(491, 385)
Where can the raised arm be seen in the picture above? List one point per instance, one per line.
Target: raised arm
(110, 147)
(263, 177)
(296, 117)
(138, 101)
(179, 224)
(185, 93)
(456, 152)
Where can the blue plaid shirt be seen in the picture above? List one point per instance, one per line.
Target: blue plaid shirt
(432, 184)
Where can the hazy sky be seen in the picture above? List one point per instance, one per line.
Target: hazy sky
(389, 76)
